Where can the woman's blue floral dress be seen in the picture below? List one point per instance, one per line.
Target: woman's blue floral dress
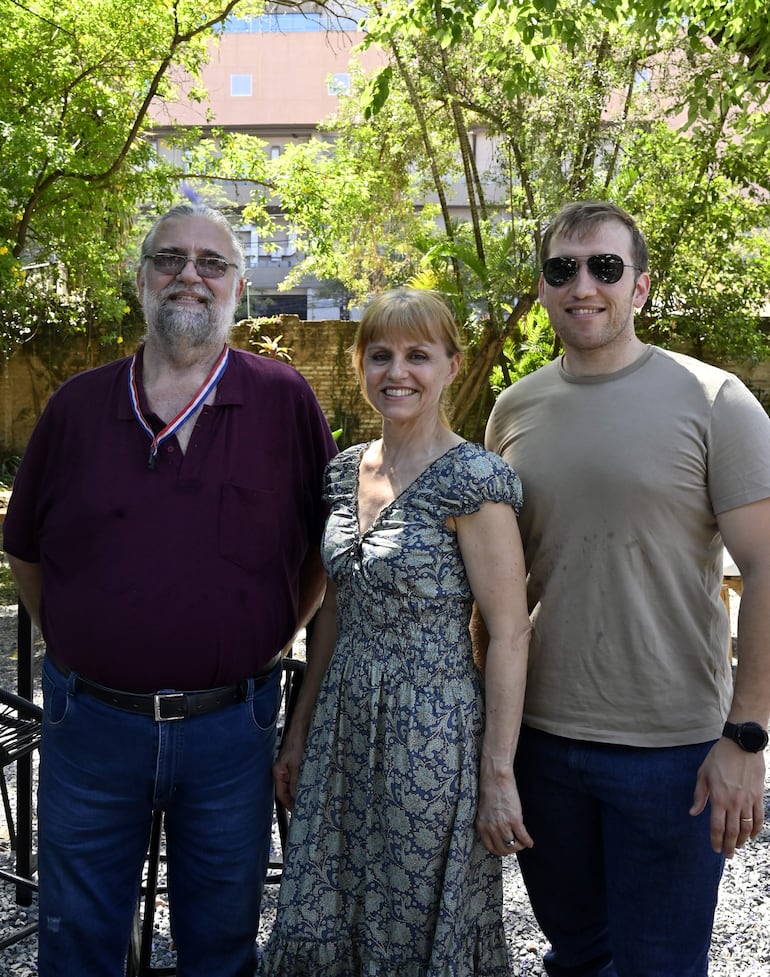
(385, 875)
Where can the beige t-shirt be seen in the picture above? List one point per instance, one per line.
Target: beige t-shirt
(622, 476)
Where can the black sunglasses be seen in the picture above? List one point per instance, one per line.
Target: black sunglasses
(605, 268)
(168, 263)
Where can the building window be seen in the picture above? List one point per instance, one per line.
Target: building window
(339, 84)
(275, 152)
(240, 85)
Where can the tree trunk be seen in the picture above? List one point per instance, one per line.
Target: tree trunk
(472, 397)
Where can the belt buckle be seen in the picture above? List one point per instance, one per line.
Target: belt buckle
(160, 697)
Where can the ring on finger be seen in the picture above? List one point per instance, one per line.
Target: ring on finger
(512, 842)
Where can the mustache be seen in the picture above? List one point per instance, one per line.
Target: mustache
(199, 291)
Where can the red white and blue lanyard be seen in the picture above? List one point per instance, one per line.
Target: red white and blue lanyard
(173, 426)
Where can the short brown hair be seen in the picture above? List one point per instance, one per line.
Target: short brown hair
(583, 216)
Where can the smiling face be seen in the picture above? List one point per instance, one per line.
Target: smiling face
(405, 376)
(595, 320)
(186, 309)
(406, 352)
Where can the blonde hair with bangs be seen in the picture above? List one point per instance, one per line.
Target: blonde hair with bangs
(406, 312)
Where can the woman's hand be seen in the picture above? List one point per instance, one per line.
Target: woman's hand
(286, 767)
(499, 820)
(319, 651)
(494, 560)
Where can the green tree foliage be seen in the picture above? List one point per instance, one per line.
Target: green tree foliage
(79, 78)
(580, 101)
(352, 185)
(646, 108)
(738, 28)
(657, 105)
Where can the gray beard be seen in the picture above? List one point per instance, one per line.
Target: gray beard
(186, 328)
(192, 327)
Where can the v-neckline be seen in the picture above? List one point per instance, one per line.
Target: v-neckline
(361, 533)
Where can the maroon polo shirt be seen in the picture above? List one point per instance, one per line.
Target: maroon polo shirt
(185, 576)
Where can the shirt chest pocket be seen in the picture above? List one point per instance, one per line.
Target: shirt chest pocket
(250, 533)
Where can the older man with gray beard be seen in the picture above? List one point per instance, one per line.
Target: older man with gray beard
(163, 532)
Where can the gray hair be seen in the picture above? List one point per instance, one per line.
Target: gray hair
(197, 210)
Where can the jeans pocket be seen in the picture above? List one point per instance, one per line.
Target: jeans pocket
(266, 702)
(56, 700)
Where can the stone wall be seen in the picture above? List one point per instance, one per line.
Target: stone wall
(319, 350)
(32, 371)
(757, 376)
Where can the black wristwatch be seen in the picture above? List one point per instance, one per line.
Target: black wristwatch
(751, 737)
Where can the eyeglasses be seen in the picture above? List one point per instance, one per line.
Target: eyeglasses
(605, 268)
(168, 263)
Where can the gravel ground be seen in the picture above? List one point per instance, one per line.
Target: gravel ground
(740, 947)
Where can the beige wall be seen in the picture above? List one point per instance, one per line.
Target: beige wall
(319, 351)
(289, 74)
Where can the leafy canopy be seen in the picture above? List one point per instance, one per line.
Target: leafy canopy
(512, 108)
(79, 79)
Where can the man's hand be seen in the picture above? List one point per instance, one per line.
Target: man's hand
(733, 781)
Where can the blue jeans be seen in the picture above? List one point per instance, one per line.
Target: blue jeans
(102, 773)
(621, 878)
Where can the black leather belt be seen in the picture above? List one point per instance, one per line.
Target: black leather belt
(163, 706)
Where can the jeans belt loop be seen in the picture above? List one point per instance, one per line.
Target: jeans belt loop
(161, 697)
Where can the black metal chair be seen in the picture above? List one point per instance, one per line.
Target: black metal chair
(293, 674)
(138, 961)
(140, 946)
(20, 728)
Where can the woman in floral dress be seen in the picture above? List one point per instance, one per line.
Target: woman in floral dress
(398, 765)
